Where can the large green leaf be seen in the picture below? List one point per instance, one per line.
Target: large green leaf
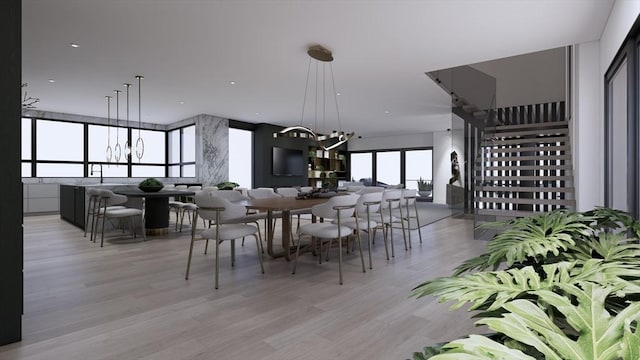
(600, 336)
(490, 290)
(478, 347)
(532, 238)
(609, 247)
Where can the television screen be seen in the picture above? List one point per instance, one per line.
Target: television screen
(288, 162)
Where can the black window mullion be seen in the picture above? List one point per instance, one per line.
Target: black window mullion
(33, 147)
(85, 156)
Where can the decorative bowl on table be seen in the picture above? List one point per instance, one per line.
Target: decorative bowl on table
(151, 185)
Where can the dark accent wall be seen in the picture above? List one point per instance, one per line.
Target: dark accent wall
(262, 162)
(10, 182)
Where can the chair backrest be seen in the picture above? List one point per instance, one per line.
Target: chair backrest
(327, 210)
(287, 191)
(305, 189)
(262, 193)
(391, 199)
(169, 187)
(371, 189)
(109, 198)
(194, 188)
(209, 188)
(181, 187)
(374, 197)
(355, 188)
(231, 195)
(409, 196)
(209, 205)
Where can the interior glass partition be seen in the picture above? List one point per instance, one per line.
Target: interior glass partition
(618, 146)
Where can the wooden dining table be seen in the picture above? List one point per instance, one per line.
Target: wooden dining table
(284, 205)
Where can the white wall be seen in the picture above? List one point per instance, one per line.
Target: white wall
(533, 78)
(591, 61)
(391, 142)
(587, 126)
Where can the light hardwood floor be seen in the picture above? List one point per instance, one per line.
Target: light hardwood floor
(129, 300)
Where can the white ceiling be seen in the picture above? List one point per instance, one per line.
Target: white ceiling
(190, 50)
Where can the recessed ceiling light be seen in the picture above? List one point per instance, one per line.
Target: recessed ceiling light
(386, 111)
(337, 94)
(74, 45)
(181, 102)
(51, 80)
(257, 113)
(232, 82)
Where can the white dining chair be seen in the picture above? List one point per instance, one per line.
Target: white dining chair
(228, 223)
(107, 197)
(338, 208)
(367, 210)
(391, 199)
(93, 207)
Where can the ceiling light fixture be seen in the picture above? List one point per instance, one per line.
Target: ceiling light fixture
(74, 45)
(109, 151)
(232, 82)
(336, 137)
(139, 142)
(51, 81)
(127, 145)
(117, 149)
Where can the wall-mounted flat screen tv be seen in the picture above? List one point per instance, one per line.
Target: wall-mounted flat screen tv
(288, 162)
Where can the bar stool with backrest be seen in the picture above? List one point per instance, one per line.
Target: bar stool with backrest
(176, 204)
(228, 223)
(93, 208)
(338, 208)
(107, 197)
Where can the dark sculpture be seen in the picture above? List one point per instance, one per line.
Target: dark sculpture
(455, 168)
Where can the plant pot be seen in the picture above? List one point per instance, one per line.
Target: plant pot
(150, 188)
(425, 194)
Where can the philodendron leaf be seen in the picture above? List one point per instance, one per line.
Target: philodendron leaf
(477, 347)
(601, 335)
(630, 342)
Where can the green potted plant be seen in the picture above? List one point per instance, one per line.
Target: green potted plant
(559, 285)
(227, 185)
(425, 187)
(150, 185)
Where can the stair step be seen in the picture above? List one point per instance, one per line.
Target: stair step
(527, 167)
(509, 134)
(566, 158)
(506, 213)
(529, 178)
(502, 200)
(480, 114)
(527, 140)
(565, 148)
(516, 189)
(545, 125)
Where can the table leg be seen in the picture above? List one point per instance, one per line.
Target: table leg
(269, 234)
(156, 215)
(286, 234)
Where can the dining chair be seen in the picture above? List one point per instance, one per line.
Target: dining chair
(338, 208)
(228, 223)
(93, 195)
(266, 193)
(367, 209)
(177, 205)
(107, 197)
(410, 215)
(293, 192)
(391, 199)
(189, 206)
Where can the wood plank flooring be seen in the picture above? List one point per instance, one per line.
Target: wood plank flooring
(129, 300)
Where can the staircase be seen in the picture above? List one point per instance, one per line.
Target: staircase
(523, 169)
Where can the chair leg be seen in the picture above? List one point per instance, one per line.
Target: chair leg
(104, 218)
(217, 258)
(390, 229)
(369, 241)
(384, 235)
(233, 253)
(360, 248)
(340, 258)
(206, 247)
(86, 221)
(143, 229)
(295, 261)
(258, 253)
(186, 276)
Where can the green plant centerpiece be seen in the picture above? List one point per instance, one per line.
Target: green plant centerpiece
(150, 185)
(227, 185)
(560, 285)
(424, 187)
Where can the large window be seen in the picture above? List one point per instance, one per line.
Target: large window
(388, 168)
(362, 167)
(59, 149)
(182, 152)
(392, 167)
(26, 148)
(418, 165)
(240, 157)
